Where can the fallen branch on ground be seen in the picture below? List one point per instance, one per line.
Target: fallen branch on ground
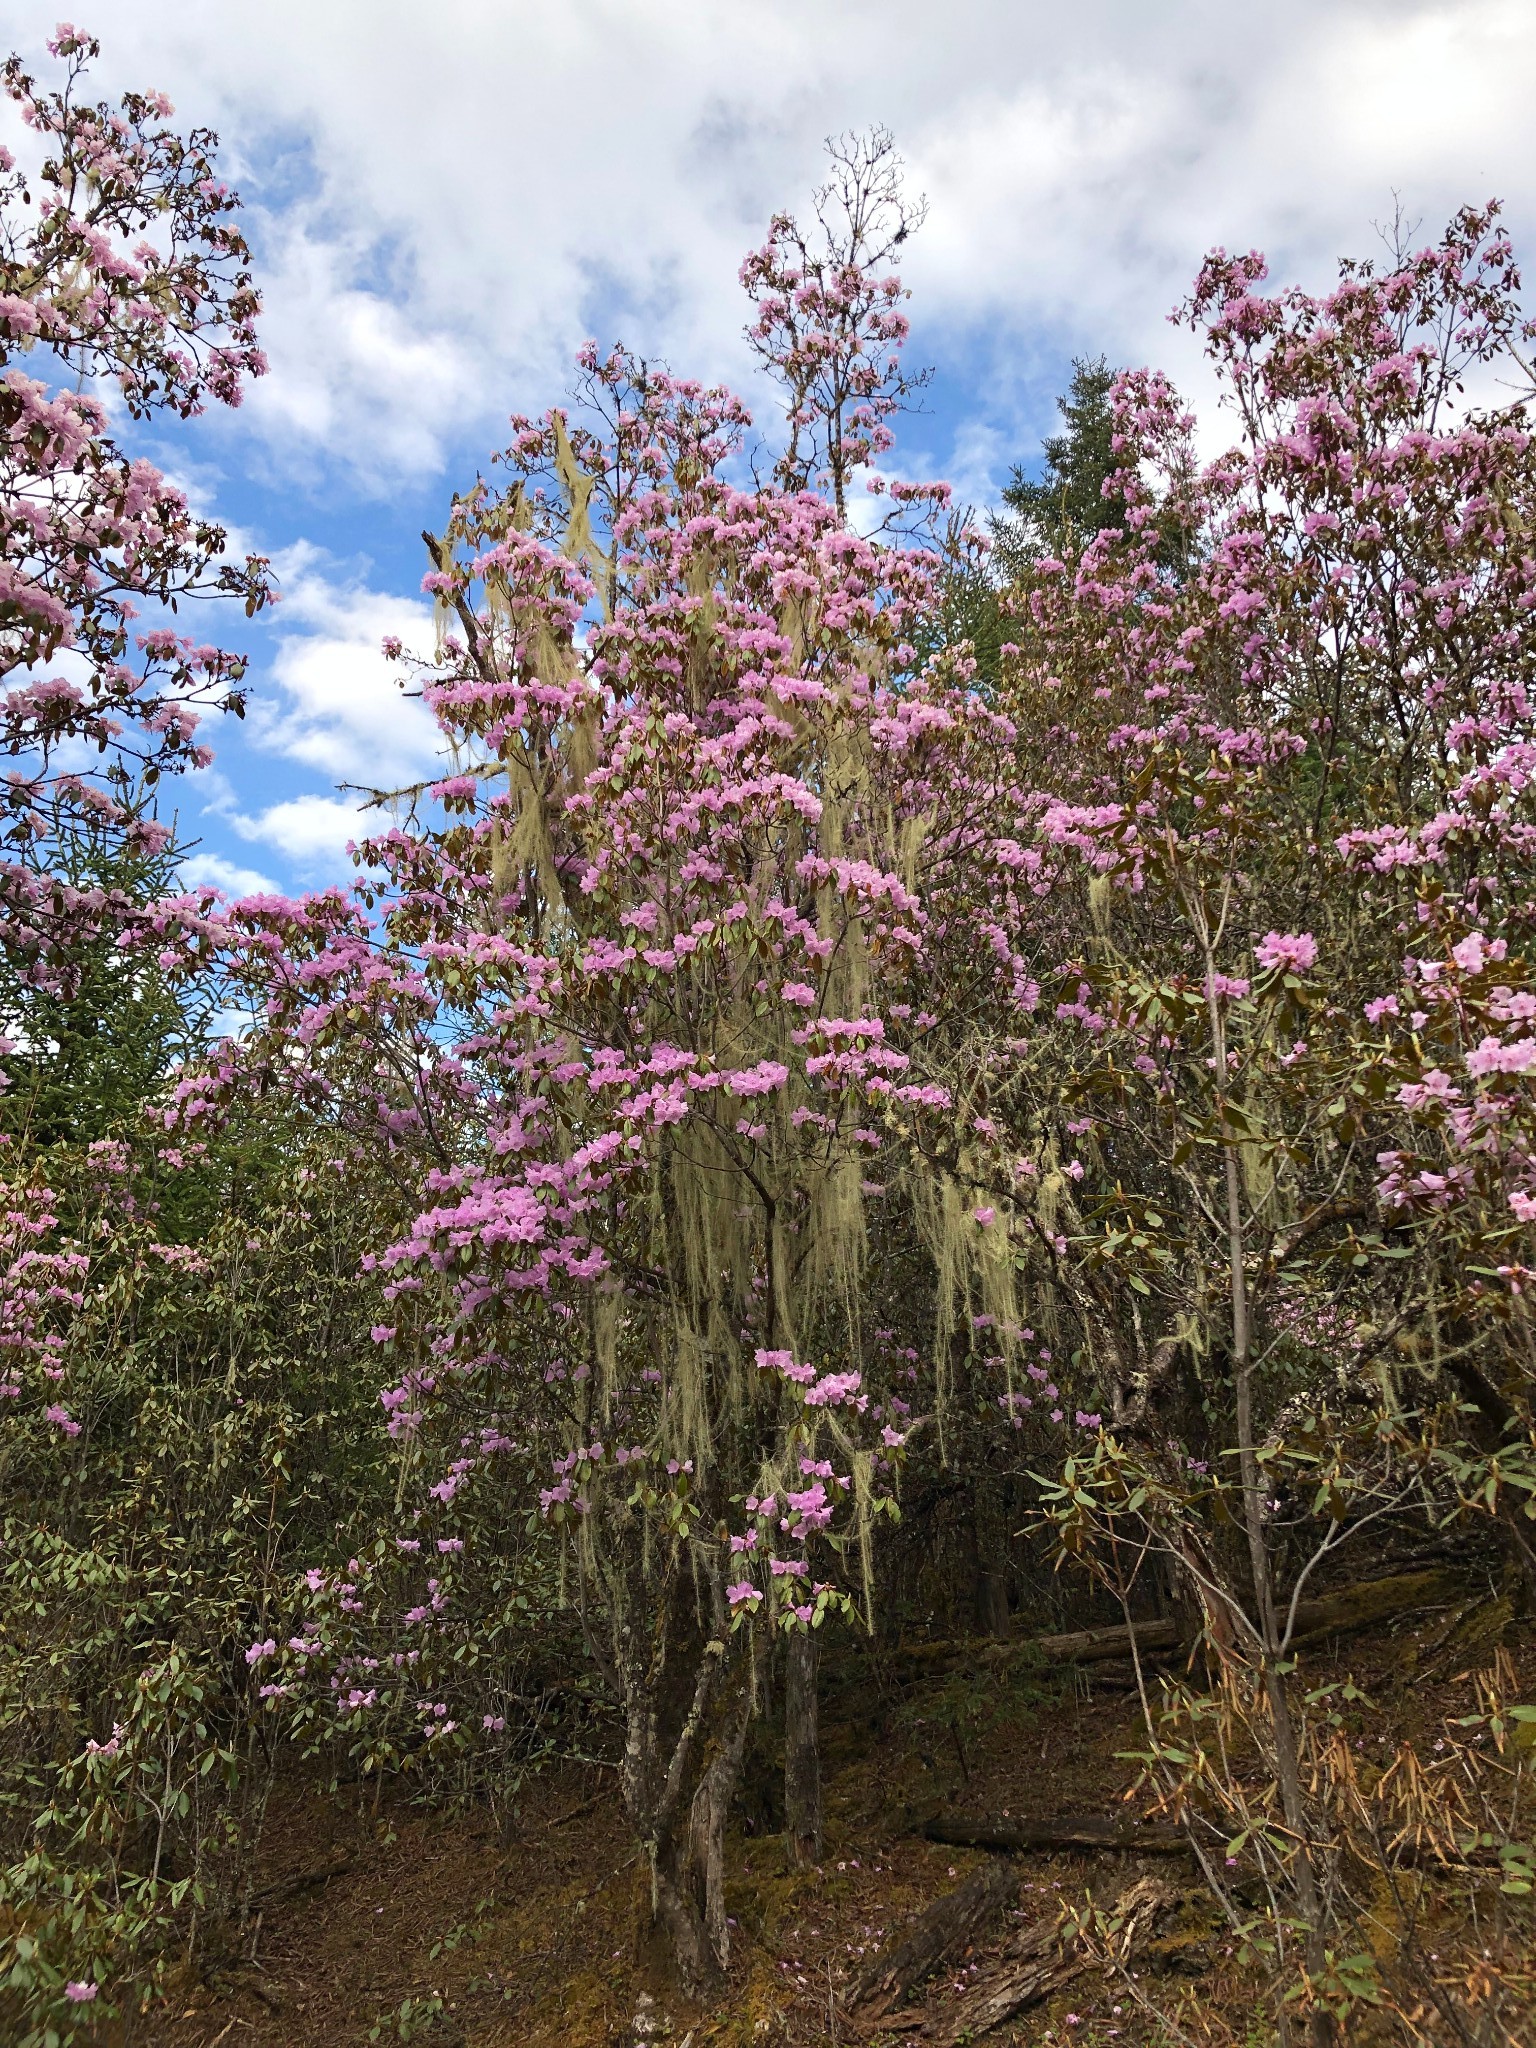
(949, 1923)
(1340, 1613)
(1069, 1831)
(1037, 1961)
(284, 1888)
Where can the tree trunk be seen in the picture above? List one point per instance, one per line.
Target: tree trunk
(989, 1562)
(675, 1913)
(1267, 1656)
(678, 1786)
(711, 1805)
(991, 1599)
(802, 1754)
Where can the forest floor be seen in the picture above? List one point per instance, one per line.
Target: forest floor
(409, 1925)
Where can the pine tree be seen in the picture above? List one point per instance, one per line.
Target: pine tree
(1066, 506)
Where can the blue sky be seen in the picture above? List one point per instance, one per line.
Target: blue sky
(445, 201)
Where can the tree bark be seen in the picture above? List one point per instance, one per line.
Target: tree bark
(663, 1774)
(991, 1599)
(711, 1805)
(989, 1561)
(802, 1753)
(675, 1912)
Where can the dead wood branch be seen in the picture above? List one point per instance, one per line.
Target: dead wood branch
(1355, 1607)
(1036, 1962)
(285, 1888)
(1039, 1963)
(1069, 1831)
(948, 1924)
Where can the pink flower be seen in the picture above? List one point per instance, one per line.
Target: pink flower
(1436, 1086)
(78, 1992)
(759, 1080)
(1493, 1058)
(1294, 951)
(61, 1418)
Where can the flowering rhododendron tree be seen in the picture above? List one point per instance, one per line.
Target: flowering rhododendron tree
(794, 1074)
(733, 920)
(1261, 1150)
(650, 965)
(638, 1011)
(123, 289)
(122, 279)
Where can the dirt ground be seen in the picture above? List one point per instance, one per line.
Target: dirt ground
(411, 1926)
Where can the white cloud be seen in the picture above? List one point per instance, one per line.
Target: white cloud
(311, 831)
(358, 369)
(453, 195)
(446, 200)
(336, 705)
(213, 871)
(1072, 204)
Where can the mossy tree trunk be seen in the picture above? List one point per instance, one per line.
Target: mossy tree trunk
(802, 1753)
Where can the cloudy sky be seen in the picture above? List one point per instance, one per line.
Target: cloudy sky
(446, 199)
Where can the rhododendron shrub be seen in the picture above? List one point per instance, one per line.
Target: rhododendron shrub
(1260, 1148)
(648, 970)
(181, 1421)
(770, 1064)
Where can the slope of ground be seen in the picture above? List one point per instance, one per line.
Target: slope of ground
(411, 1926)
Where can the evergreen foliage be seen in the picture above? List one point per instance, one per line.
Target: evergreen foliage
(1060, 511)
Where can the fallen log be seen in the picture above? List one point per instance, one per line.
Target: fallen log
(949, 1923)
(1040, 1962)
(1093, 1645)
(285, 1888)
(1069, 1831)
(1371, 1600)
(1037, 1961)
(1354, 1607)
